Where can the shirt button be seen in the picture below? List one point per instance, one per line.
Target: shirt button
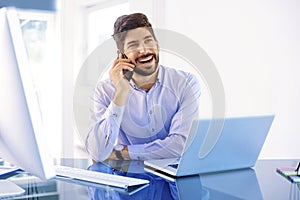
(115, 115)
(150, 112)
(153, 129)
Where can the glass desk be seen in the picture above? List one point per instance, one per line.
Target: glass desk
(261, 182)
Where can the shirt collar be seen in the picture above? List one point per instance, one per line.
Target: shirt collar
(160, 74)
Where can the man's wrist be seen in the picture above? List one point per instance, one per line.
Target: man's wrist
(118, 151)
(120, 98)
(121, 152)
(125, 153)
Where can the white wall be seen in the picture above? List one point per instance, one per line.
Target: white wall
(255, 46)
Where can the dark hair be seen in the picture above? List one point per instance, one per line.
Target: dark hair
(125, 23)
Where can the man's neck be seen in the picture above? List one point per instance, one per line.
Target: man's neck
(145, 82)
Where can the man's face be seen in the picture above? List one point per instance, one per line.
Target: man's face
(142, 49)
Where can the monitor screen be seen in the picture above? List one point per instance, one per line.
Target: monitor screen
(21, 129)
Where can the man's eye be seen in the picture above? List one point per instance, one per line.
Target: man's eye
(148, 41)
(132, 46)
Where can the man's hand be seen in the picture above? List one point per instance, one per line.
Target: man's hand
(120, 82)
(124, 154)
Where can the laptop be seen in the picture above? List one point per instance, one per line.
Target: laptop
(215, 145)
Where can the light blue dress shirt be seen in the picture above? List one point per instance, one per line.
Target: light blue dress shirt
(153, 124)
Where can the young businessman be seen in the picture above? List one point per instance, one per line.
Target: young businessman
(147, 116)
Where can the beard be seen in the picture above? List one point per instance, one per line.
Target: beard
(148, 70)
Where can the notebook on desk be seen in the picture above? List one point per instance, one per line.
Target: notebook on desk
(234, 144)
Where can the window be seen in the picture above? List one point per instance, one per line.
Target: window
(98, 26)
(101, 21)
(41, 40)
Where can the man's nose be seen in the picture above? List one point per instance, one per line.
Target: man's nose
(142, 48)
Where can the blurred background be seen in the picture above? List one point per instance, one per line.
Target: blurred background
(254, 45)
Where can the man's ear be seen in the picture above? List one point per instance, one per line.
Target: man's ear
(118, 53)
(121, 54)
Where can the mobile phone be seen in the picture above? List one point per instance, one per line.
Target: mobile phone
(128, 74)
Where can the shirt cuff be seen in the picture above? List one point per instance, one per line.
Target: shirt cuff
(137, 152)
(116, 112)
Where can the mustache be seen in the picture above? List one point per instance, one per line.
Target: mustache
(145, 56)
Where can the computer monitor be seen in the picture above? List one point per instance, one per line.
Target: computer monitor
(21, 130)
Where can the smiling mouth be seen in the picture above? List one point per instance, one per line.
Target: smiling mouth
(145, 59)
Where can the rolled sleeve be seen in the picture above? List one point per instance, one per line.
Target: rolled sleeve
(137, 152)
(104, 134)
(116, 113)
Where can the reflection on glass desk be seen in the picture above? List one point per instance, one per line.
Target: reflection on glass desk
(261, 182)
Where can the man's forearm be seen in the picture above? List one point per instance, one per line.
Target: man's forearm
(120, 98)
